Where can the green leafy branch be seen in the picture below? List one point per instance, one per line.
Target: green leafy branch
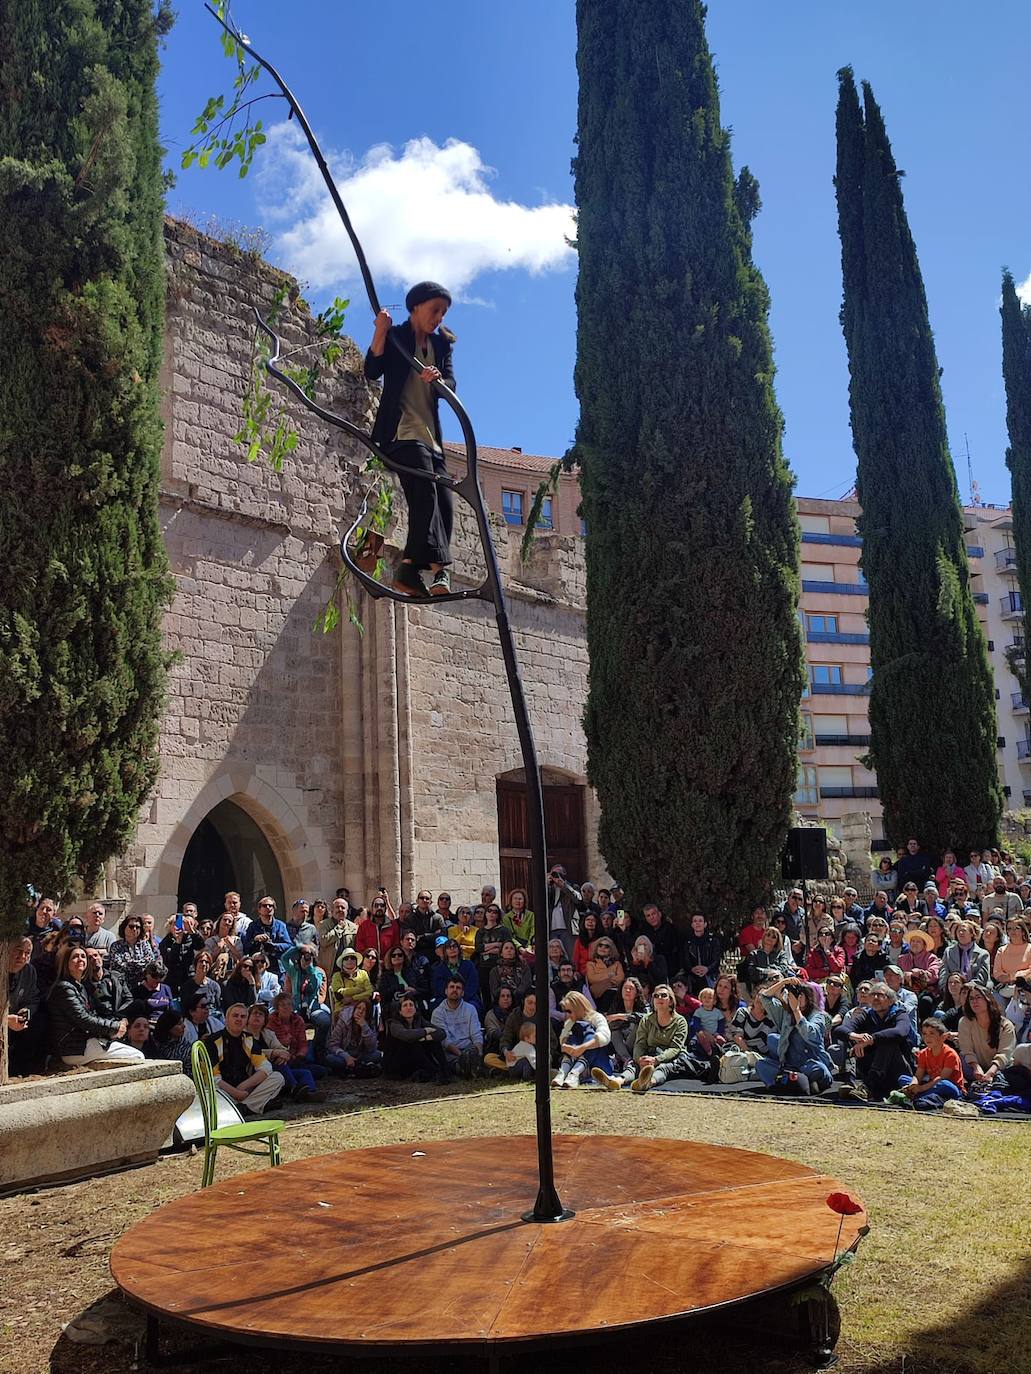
(548, 487)
(220, 140)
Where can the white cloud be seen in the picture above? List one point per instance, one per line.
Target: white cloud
(426, 212)
(1024, 291)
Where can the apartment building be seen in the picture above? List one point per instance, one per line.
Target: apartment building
(836, 729)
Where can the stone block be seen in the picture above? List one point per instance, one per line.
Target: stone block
(78, 1124)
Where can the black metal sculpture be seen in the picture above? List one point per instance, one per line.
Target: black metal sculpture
(548, 1206)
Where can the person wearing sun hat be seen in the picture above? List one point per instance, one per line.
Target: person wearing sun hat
(407, 428)
(921, 955)
(350, 983)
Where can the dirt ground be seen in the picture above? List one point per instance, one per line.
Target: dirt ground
(941, 1286)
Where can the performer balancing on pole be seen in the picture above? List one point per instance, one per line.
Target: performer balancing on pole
(408, 428)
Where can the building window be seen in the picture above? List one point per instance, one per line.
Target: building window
(806, 740)
(818, 572)
(808, 793)
(815, 524)
(546, 519)
(583, 528)
(826, 673)
(512, 507)
(835, 777)
(823, 624)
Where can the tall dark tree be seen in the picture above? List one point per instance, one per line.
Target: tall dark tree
(696, 666)
(1016, 372)
(82, 302)
(932, 703)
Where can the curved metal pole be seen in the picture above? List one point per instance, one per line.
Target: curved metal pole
(548, 1205)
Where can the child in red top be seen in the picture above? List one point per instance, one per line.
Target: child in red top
(939, 1071)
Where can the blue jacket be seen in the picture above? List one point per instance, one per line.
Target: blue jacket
(440, 973)
(277, 944)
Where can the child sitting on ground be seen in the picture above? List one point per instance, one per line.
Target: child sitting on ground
(939, 1072)
(707, 1026)
(525, 1048)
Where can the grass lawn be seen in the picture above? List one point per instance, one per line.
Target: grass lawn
(941, 1284)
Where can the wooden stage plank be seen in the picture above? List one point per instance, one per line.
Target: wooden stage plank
(367, 1248)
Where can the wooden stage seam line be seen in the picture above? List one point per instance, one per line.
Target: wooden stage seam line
(654, 1208)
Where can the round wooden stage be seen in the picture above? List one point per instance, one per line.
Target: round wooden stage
(403, 1248)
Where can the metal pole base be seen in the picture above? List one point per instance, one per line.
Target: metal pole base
(548, 1208)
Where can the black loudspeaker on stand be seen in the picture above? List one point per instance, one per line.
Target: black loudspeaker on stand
(805, 854)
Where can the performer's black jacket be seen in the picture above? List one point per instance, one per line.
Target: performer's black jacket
(395, 371)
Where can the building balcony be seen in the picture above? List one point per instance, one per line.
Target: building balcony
(1006, 560)
(835, 637)
(836, 588)
(848, 541)
(841, 741)
(1018, 701)
(1024, 750)
(981, 599)
(1012, 606)
(841, 689)
(848, 792)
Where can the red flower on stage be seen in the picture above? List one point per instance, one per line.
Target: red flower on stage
(844, 1205)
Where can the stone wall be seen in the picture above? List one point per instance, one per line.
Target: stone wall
(363, 758)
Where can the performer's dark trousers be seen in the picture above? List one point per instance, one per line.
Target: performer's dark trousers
(430, 506)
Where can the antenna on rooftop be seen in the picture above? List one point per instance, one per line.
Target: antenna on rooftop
(975, 490)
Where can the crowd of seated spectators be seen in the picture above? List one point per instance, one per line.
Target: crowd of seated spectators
(920, 997)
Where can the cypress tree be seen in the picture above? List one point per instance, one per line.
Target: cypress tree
(692, 544)
(932, 703)
(85, 575)
(1016, 372)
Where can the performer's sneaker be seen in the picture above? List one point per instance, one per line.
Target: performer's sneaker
(441, 584)
(407, 580)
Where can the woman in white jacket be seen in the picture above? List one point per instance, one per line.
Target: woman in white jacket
(585, 1039)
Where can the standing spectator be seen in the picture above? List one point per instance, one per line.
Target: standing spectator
(605, 975)
(268, 934)
(885, 877)
(914, 866)
(242, 1072)
(663, 934)
(26, 1027)
(179, 948)
(97, 936)
(701, 956)
(378, 931)
(565, 905)
(948, 870)
(752, 933)
(336, 932)
(463, 1035)
(978, 873)
(300, 927)
(232, 903)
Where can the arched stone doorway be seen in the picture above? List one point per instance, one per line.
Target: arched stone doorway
(229, 851)
(563, 820)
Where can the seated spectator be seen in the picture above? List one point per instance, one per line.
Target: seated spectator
(413, 1049)
(510, 971)
(26, 1026)
(306, 986)
(707, 1027)
(77, 1035)
(836, 1006)
(879, 1037)
(336, 932)
(986, 1039)
(878, 925)
(350, 983)
(298, 1074)
(684, 999)
(377, 931)
(519, 918)
(568, 980)
(521, 1060)
(884, 876)
(939, 1072)
(153, 990)
(494, 1021)
(921, 955)
(870, 961)
(201, 980)
(241, 985)
(965, 956)
(796, 1059)
(751, 934)
(770, 957)
(1018, 1010)
(752, 1026)
(648, 967)
(590, 930)
(132, 951)
(300, 926)
(397, 977)
(178, 949)
(463, 1034)
(854, 911)
(450, 964)
(793, 912)
(897, 942)
(242, 1072)
(825, 958)
(605, 975)
(170, 1039)
(947, 872)
(290, 1029)
(818, 916)
(620, 930)
(107, 988)
(266, 983)
(910, 903)
(660, 1049)
(999, 897)
(953, 999)
(850, 941)
(138, 1034)
(200, 1018)
(585, 1042)
(623, 1023)
(97, 936)
(527, 1011)
(906, 998)
(353, 1046)
(1014, 959)
(225, 940)
(464, 932)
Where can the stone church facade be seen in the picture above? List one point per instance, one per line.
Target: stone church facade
(297, 762)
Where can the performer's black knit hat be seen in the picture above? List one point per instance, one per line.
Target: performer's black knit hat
(426, 291)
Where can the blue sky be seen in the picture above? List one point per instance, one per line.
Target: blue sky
(477, 103)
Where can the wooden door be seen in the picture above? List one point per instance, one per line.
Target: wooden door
(564, 830)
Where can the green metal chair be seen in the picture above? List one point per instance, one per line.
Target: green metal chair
(232, 1137)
